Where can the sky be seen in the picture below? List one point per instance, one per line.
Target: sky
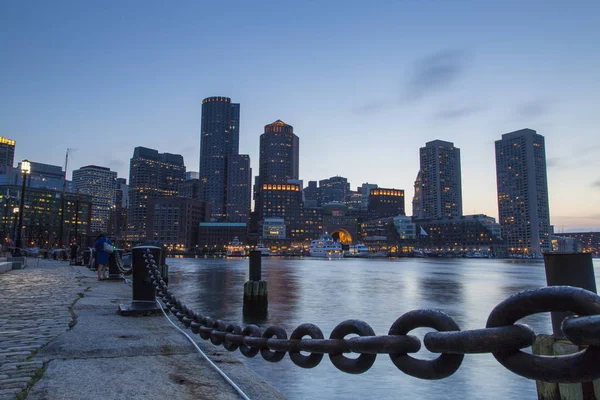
(364, 84)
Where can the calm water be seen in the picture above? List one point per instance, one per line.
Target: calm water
(376, 291)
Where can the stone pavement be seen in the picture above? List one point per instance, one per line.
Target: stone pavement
(61, 338)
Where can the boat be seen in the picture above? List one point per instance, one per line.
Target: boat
(325, 247)
(236, 248)
(358, 250)
(418, 253)
(264, 251)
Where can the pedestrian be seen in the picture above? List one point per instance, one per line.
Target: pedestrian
(102, 255)
(74, 248)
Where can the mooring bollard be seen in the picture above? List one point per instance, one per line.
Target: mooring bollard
(565, 269)
(256, 295)
(144, 292)
(113, 269)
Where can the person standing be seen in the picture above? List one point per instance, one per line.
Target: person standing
(102, 256)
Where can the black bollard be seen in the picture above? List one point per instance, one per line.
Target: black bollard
(144, 292)
(256, 299)
(568, 269)
(113, 269)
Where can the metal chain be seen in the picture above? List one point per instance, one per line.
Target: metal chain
(501, 337)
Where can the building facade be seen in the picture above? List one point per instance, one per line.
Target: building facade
(215, 236)
(365, 190)
(465, 234)
(385, 203)
(117, 226)
(220, 132)
(279, 153)
(523, 192)
(100, 184)
(151, 175)
(589, 241)
(441, 187)
(311, 194)
(41, 216)
(239, 188)
(175, 221)
(189, 188)
(334, 189)
(7, 152)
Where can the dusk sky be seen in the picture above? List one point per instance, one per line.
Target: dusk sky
(364, 84)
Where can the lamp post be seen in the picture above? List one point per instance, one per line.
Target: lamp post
(25, 169)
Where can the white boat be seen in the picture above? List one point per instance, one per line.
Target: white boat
(418, 253)
(264, 251)
(358, 250)
(236, 248)
(325, 247)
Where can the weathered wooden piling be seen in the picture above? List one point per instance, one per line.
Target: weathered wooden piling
(565, 269)
(256, 294)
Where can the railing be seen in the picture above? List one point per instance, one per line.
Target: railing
(502, 337)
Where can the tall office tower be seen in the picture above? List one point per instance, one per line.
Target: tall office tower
(220, 133)
(417, 202)
(333, 189)
(279, 153)
(441, 180)
(279, 157)
(239, 188)
(151, 174)
(117, 225)
(99, 183)
(365, 191)
(7, 152)
(523, 210)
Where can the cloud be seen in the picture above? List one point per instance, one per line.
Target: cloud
(430, 74)
(456, 113)
(596, 184)
(535, 108)
(435, 72)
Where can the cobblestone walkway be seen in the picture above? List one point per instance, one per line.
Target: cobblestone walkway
(35, 304)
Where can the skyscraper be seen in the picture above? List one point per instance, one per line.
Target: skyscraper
(99, 183)
(417, 202)
(151, 174)
(523, 210)
(220, 133)
(239, 188)
(441, 189)
(279, 154)
(7, 152)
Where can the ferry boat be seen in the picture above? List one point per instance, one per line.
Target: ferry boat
(264, 251)
(358, 250)
(236, 248)
(325, 247)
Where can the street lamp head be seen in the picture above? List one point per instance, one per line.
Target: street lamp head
(25, 166)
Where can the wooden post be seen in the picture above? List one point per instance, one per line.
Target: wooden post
(569, 269)
(256, 293)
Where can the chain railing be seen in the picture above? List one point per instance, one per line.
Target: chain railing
(502, 337)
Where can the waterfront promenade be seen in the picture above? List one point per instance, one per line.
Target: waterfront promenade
(61, 338)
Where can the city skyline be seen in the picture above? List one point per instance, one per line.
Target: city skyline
(363, 93)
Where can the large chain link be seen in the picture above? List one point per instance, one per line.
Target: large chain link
(501, 337)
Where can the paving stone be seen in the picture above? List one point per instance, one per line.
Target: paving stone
(36, 302)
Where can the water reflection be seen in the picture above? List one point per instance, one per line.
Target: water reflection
(377, 291)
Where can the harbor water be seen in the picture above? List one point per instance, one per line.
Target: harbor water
(377, 291)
